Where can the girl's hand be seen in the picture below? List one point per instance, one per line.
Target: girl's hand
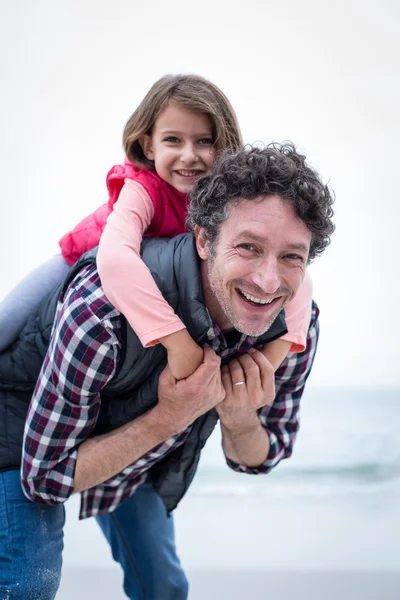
(180, 403)
(184, 355)
(276, 352)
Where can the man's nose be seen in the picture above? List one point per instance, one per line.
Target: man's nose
(267, 276)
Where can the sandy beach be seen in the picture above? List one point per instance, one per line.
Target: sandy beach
(304, 546)
(252, 585)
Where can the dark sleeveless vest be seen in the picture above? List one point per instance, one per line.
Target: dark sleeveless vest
(133, 390)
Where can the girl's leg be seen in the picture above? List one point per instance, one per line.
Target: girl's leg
(26, 297)
(142, 540)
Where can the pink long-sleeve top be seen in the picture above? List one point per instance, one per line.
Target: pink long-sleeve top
(142, 204)
(137, 297)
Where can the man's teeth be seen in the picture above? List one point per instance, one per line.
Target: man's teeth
(256, 300)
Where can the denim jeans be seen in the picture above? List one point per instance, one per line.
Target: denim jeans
(142, 540)
(31, 544)
(139, 532)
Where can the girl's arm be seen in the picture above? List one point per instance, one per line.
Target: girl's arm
(298, 315)
(129, 285)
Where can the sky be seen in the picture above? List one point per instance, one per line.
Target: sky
(324, 75)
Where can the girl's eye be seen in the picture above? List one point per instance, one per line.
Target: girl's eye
(206, 141)
(172, 139)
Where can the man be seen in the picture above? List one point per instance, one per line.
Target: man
(107, 418)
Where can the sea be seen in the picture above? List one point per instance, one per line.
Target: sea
(348, 444)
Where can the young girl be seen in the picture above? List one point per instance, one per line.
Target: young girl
(170, 141)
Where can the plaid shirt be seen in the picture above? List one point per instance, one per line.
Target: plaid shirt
(82, 357)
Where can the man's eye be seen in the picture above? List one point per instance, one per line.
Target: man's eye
(249, 247)
(295, 257)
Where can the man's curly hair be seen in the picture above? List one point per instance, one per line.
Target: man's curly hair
(254, 172)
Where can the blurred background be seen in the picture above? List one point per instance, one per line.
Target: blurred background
(325, 76)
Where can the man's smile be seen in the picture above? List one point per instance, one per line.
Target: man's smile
(256, 304)
(254, 299)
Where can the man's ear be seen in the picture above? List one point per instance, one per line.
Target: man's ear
(147, 146)
(202, 244)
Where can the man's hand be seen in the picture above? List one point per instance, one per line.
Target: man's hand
(181, 402)
(242, 400)
(244, 439)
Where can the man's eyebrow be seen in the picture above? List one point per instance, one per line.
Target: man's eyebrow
(251, 235)
(300, 247)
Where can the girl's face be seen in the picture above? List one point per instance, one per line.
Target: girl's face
(181, 146)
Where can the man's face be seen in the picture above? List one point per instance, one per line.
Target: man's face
(257, 265)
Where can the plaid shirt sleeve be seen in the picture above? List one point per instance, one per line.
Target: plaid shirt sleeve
(280, 419)
(80, 360)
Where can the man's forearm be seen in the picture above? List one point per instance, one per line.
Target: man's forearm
(180, 403)
(103, 456)
(245, 442)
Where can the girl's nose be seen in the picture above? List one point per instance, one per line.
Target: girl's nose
(189, 154)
